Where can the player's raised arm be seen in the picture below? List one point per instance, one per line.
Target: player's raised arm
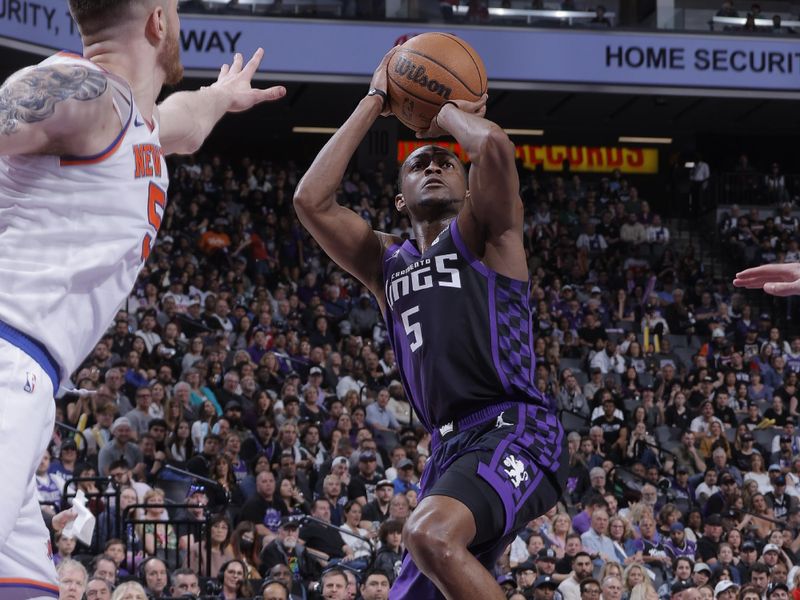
(344, 236)
(186, 118)
(56, 109)
(493, 211)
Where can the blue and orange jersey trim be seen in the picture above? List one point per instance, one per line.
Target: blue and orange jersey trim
(70, 161)
(37, 588)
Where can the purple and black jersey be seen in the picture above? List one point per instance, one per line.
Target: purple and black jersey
(461, 332)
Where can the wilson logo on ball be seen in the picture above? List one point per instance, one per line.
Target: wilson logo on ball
(417, 74)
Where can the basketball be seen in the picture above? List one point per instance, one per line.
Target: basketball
(427, 71)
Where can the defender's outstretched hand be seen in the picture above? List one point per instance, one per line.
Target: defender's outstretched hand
(235, 81)
(475, 108)
(775, 279)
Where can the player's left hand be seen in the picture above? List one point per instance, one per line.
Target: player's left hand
(775, 279)
(60, 520)
(235, 81)
(476, 108)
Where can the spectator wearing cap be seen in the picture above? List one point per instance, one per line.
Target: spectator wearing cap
(64, 466)
(787, 436)
(378, 414)
(525, 575)
(777, 591)
(377, 511)
(744, 450)
(677, 545)
(684, 590)
(726, 590)
(680, 487)
(771, 555)
(285, 550)
(405, 477)
(748, 555)
(701, 574)
(778, 500)
(123, 446)
(363, 482)
(708, 545)
(545, 561)
(544, 588)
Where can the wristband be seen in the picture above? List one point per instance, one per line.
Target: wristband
(377, 92)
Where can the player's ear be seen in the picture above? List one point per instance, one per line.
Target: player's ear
(156, 25)
(400, 203)
(467, 197)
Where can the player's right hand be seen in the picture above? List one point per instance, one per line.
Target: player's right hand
(478, 107)
(775, 279)
(380, 80)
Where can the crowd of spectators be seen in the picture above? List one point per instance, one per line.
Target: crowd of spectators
(248, 360)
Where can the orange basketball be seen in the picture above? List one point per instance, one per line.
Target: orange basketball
(427, 71)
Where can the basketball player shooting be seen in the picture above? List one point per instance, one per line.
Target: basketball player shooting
(455, 302)
(82, 191)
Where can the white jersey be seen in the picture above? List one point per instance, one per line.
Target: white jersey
(75, 231)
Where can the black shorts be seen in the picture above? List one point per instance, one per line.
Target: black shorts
(508, 464)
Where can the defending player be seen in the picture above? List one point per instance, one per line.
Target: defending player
(82, 191)
(456, 305)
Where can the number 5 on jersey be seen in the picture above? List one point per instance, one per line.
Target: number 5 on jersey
(155, 197)
(412, 329)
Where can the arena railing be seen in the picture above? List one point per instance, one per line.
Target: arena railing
(184, 531)
(749, 188)
(103, 503)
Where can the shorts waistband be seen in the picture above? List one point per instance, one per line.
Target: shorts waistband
(490, 413)
(33, 349)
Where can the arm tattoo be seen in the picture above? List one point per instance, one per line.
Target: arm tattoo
(33, 96)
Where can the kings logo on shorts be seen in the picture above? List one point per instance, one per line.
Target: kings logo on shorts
(515, 470)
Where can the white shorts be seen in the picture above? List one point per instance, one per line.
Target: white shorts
(27, 414)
